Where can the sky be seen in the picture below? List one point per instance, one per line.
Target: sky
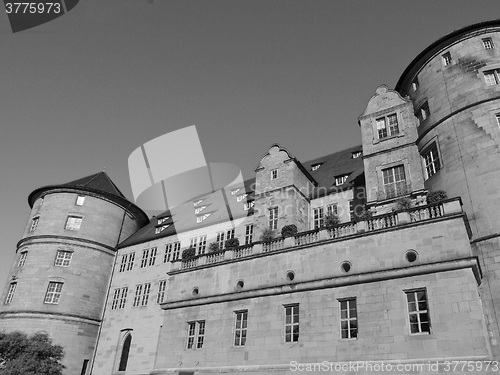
(80, 93)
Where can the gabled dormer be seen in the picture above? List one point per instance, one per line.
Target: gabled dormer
(282, 190)
(393, 168)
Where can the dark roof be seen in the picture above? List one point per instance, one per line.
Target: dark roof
(99, 184)
(183, 217)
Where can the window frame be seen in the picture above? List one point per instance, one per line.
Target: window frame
(423, 112)
(495, 73)
(73, 223)
(340, 180)
(446, 58)
(23, 255)
(274, 174)
(418, 312)
(80, 200)
(162, 291)
(349, 319)
(431, 148)
(34, 223)
(292, 324)
(141, 296)
(395, 193)
(196, 332)
(240, 328)
(273, 218)
(248, 234)
(63, 261)
(318, 217)
(52, 297)
(488, 43)
(389, 129)
(10, 293)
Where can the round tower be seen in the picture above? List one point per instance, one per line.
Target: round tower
(59, 280)
(454, 85)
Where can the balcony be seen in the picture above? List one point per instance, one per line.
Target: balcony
(395, 190)
(338, 232)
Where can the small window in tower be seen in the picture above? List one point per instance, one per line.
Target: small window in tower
(22, 258)
(492, 77)
(80, 200)
(53, 293)
(274, 174)
(488, 43)
(10, 293)
(63, 258)
(415, 85)
(431, 160)
(423, 112)
(446, 58)
(34, 223)
(497, 115)
(73, 222)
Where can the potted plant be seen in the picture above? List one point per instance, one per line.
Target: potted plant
(289, 230)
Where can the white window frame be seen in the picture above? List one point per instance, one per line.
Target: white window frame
(492, 77)
(219, 239)
(73, 222)
(34, 223)
(248, 205)
(418, 312)
(431, 160)
(240, 327)
(340, 180)
(119, 298)
(130, 261)
(415, 84)
(158, 230)
(201, 218)
(318, 217)
(141, 296)
(202, 244)
(80, 200)
(488, 43)
(395, 182)
(22, 258)
(53, 294)
(196, 335)
(293, 312)
(273, 218)
(348, 319)
(497, 116)
(248, 234)
(10, 293)
(332, 209)
(240, 197)
(385, 127)
(162, 220)
(356, 154)
(162, 288)
(123, 297)
(446, 57)
(423, 112)
(63, 258)
(316, 166)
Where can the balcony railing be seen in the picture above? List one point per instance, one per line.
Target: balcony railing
(344, 230)
(395, 190)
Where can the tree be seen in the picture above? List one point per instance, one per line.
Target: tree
(33, 355)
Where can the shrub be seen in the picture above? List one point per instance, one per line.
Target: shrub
(232, 243)
(365, 214)
(189, 253)
(289, 230)
(213, 247)
(403, 203)
(436, 196)
(331, 220)
(267, 235)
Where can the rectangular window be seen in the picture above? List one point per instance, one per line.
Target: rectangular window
(230, 234)
(394, 182)
(10, 293)
(446, 58)
(193, 242)
(273, 218)
(488, 43)
(130, 261)
(348, 319)
(431, 160)
(123, 297)
(291, 323)
(196, 334)
(41, 202)
(80, 200)
(220, 239)
(418, 311)
(145, 256)
(63, 258)
(240, 330)
(22, 258)
(116, 299)
(331, 209)
(202, 244)
(351, 209)
(274, 174)
(162, 288)
(123, 263)
(127, 262)
(492, 77)
(141, 294)
(497, 115)
(423, 112)
(152, 256)
(73, 222)
(248, 234)
(34, 223)
(319, 217)
(387, 126)
(53, 293)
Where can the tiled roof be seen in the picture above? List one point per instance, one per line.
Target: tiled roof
(183, 217)
(99, 181)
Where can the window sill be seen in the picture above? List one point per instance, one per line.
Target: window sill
(378, 140)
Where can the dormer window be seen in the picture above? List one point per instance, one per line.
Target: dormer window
(199, 219)
(161, 229)
(196, 203)
(387, 126)
(248, 205)
(239, 198)
(234, 191)
(274, 174)
(316, 166)
(162, 220)
(339, 180)
(356, 154)
(199, 209)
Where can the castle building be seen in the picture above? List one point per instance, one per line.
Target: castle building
(319, 265)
